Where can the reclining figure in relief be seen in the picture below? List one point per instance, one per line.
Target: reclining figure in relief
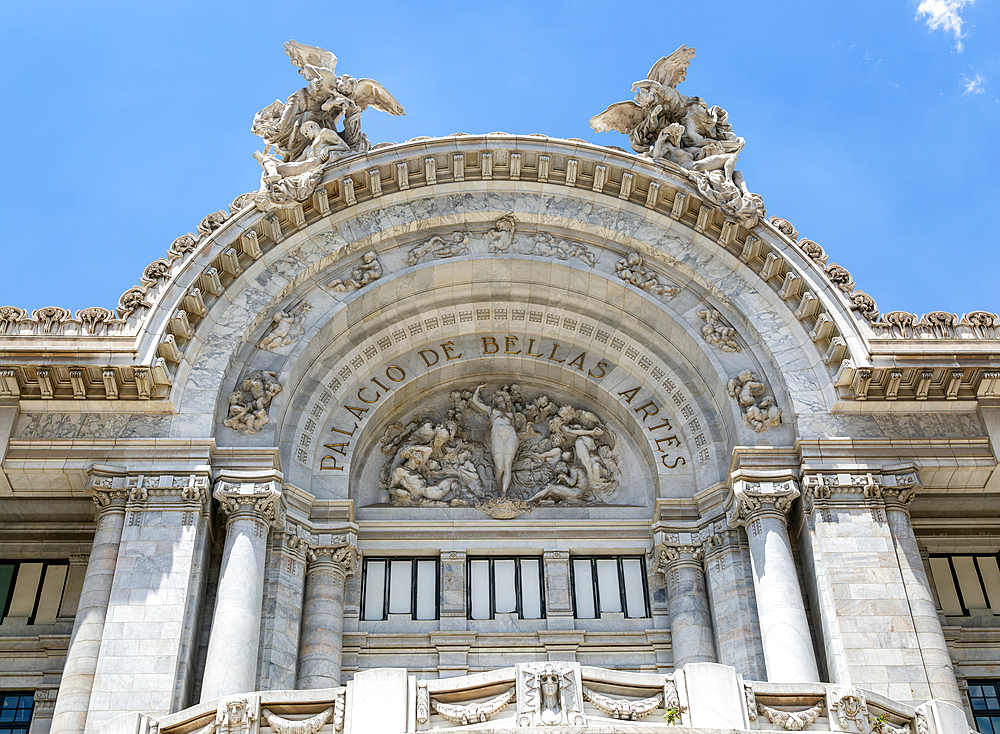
(665, 125)
(301, 135)
(500, 447)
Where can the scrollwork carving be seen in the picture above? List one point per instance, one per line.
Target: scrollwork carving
(792, 720)
(306, 726)
(623, 708)
(473, 713)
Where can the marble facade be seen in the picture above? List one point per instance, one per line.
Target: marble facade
(291, 394)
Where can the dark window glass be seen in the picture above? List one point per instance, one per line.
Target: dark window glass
(15, 712)
(984, 696)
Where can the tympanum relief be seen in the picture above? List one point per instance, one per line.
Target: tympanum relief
(665, 125)
(501, 452)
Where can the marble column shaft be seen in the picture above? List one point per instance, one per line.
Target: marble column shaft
(76, 686)
(691, 636)
(231, 662)
(930, 636)
(784, 628)
(322, 639)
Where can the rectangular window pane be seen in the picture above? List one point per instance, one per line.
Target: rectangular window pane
(52, 591)
(426, 590)
(607, 585)
(400, 587)
(635, 593)
(374, 590)
(504, 586)
(945, 585)
(479, 583)
(531, 596)
(583, 589)
(991, 579)
(968, 582)
(25, 589)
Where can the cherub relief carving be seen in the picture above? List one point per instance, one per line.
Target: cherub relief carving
(457, 243)
(368, 271)
(631, 269)
(249, 402)
(717, 333)
(287, 328)
(666, 125)
(759, 410)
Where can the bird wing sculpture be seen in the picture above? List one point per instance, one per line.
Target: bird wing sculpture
(622, 117)
(369, 93)
(304, 56)
(671, 70)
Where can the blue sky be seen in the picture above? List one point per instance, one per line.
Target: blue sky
(873, 132)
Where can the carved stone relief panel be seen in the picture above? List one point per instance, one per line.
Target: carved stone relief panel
(501, 450)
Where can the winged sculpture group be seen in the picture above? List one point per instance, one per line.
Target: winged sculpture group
(321, 124)
(665, 125)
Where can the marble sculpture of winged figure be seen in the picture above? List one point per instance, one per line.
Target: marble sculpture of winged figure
(317, 125)
(665, 125)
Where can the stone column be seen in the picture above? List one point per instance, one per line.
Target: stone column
(898, 492)
(322, 641)
(107, 486)
(761, 507)
(252, 504)
(731, 595)
(687, 598)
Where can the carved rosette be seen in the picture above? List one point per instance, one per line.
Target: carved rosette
(754, 499)
(261, 501)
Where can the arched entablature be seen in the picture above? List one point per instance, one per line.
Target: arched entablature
(613, 193)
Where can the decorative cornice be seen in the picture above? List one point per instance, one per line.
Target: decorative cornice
(251, 495)
(230, 241)
(895, 487)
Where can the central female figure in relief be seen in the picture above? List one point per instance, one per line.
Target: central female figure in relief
(503, 436)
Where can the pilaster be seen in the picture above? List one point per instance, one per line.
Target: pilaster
(454, 613)
(284, 580)
(731, 595)
(558, 591)
(148, 643)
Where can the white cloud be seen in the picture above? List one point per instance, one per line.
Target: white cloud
(945, 14)
(973, 85)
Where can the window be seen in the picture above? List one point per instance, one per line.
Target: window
(505, 586)
(966, 582)
(609, 584)
(15, 712)
(33, 590)
(400, 586)
(985, 700)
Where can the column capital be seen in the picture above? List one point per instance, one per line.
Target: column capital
(672, 554)
(106, 487)
(343, 556)
(759, 494)
(251, 495)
